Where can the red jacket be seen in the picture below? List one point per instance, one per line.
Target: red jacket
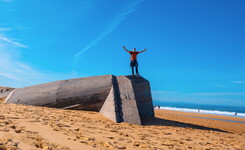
(133, 55)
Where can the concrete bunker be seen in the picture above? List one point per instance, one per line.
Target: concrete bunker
(119, 98)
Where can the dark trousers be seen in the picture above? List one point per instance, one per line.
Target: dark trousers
(133, 64)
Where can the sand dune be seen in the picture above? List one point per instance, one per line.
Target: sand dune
(32, 128)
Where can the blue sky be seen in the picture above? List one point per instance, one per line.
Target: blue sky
(195, 48)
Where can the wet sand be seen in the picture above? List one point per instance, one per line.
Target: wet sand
(33, 128)
(226, 123)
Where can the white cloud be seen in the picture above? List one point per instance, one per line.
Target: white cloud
(8, 40)
(5, 29)
(10, 76)
(16, 73)
(24, 66)
(10, 66)
(110, 28)
(13, 71)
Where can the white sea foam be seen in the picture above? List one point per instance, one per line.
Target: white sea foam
(217, 112)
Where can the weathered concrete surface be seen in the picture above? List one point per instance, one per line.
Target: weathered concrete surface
(142, 94)
(128, 105)
(90, 92)
(109, 108)
(119, 98)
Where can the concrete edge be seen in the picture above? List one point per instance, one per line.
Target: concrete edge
(111, 99)
(107, 108)
(67, 79)
(8, 97)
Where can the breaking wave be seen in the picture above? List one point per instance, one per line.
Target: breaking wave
(217, 112)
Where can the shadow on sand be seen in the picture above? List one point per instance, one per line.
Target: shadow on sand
(164, 122)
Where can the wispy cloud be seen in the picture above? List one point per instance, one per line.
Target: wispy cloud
(238, 82)
(218, 94)
(112, 25)
(8, 40)
(10, 76)
(14, 71)
(5, 29)
(10, 66)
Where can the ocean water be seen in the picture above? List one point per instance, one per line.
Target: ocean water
(237, 111)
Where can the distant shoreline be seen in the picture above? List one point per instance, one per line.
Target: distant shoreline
(201, 111)
(227, 123)
(224, 110)
(214, 118)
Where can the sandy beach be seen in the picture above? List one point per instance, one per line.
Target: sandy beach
(32, 128)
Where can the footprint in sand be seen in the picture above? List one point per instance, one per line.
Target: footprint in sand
(17, 130)
(136, 143)
(8, 144)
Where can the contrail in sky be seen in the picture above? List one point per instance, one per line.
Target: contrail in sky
(112, 25)
(3, 38)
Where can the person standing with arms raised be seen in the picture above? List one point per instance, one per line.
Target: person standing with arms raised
(133, 59)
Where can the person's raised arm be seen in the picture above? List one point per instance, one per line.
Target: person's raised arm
(143, 51)
(125, 49)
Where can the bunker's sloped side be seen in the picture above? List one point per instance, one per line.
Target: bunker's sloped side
(38, 95)
(142, 93)
(90, 92)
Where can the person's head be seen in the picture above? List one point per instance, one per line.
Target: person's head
(134, 49)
